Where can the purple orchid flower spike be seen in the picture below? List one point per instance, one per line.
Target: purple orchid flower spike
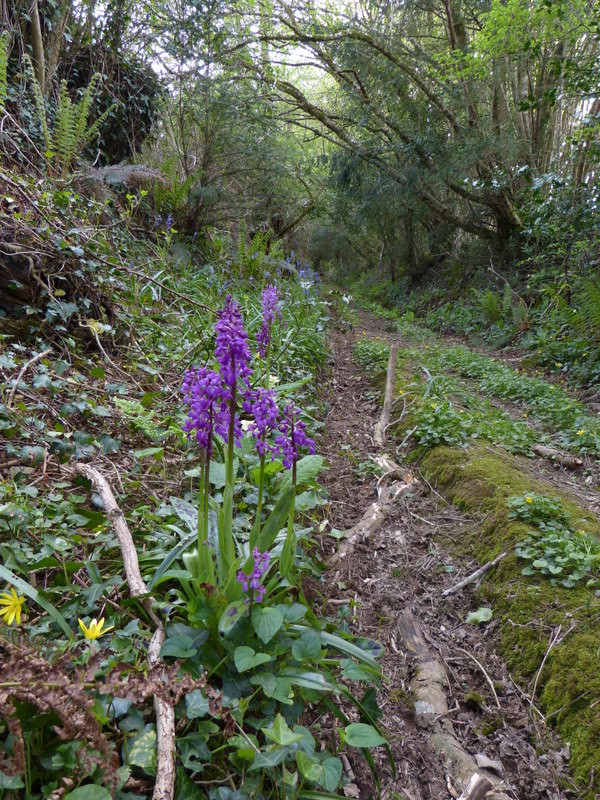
(292, 437)
(271, 310)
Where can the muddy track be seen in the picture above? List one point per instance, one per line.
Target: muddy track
(403, 567)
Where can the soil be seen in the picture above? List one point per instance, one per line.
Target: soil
(404, 566)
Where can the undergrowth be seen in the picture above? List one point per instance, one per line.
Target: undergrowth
(245, 679)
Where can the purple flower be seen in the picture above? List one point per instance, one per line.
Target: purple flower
(270, 309)
(207, 398)
(251, 583)
(292, 436)
(169, 222)
(231, 348)
(261, 404)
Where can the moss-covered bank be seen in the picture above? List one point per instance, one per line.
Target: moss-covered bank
(531, 609)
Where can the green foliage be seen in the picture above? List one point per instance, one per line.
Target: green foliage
(5, 42)
(555, 550)
(70, 132)
(491, 306)
(140, 418)
(587, 317)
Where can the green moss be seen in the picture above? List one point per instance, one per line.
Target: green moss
(480, 481)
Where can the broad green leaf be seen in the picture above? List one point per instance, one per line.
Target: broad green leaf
(273, 686)
(350, 649)
(266, 622)
(309, 768)
(231, 616)
(10, 781)
(217, 472)
(89, 792)
(307, 470)
(186, 512)
(196, 704)
(245, 658)
(281, 733)
(180, 646)
(172, 556)
(269, 759)
(359, 734)
(293, 612)
(276, 521)
(332, 773)
(353, 672)
(25, 588)
(482, 614)
(143, 752)
(309, 680)
(307, 646)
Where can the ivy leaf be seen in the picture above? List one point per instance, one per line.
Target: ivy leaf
(196, 704)
(281, 733)
(143, 752)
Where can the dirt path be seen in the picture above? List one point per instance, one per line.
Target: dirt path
(404, 566)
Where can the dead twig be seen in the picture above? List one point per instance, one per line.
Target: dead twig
(474, 576)
(22, 372)
(164, 786)
(484, 673)
(384, 420)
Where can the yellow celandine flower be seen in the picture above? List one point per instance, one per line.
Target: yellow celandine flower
(11, 603)
(529, 499)
(95, 629)
(581, 432)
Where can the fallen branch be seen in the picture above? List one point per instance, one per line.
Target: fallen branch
(164, 786)
(428, 687)
(22, 372)
(374, 516)
(474, 576)
(383, 424)
(477, 788)
(570, 462)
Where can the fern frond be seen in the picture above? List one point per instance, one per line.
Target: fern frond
(82, 111)
(93, 129)
(490, 306)
(242, 254)
(139, 418)
(587, 318)
(4, 48)
(40, 105)
(507, 301)
(64, 129)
